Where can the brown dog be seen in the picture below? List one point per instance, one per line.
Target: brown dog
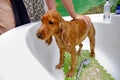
(68, 34)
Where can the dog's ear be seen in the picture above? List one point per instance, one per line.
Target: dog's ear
(65, 39)
(57, 15)
(48, 41)
(64, 34)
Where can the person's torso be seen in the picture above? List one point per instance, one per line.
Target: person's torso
(35, 9)
(7, 20)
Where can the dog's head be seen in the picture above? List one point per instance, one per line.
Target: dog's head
(50, 24)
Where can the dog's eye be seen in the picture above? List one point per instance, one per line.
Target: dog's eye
(50, 22)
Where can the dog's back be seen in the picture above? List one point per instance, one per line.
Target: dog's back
(78, 30)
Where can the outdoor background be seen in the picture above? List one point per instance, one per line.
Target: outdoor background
(87, 6)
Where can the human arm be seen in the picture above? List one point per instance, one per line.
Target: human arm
(70, 8)
(51, 4)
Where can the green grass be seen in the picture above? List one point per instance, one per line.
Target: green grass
(113, 8)
(92, 71)
(86, 6)
(80, 6)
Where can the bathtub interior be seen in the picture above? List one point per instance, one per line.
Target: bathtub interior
(107, 49)
(48, 56)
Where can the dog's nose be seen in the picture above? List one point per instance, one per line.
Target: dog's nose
(39, 35)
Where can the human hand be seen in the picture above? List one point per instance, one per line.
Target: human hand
(85, 18)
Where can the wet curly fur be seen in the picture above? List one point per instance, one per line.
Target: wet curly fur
(67, 34)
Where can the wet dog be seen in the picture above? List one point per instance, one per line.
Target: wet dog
(67, 34)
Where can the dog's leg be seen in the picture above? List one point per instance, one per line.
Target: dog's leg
(91, 37)
(73, 63)
(92, 48)
(61, 61)
(80, 47)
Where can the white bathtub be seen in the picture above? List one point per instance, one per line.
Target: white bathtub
(24, 57)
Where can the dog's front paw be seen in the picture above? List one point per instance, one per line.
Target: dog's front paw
(92, 54)
(70, 74)
(58, 66)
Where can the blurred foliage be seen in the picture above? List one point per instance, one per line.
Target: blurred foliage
(113, 8)
(87, 6)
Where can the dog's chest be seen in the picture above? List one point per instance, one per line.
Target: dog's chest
(60, 42)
